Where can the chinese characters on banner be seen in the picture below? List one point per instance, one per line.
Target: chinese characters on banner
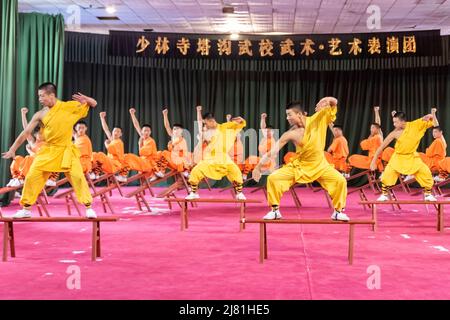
(263, 47)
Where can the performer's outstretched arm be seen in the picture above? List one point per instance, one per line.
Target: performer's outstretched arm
(23, 136)
(200, 122)
(391, 136)
(81, 98)
(165, 113)
(435, 119)
(263, 123)
(376, 111)
(135, 121)
(105, 126)
(295, 135)
(23, 114)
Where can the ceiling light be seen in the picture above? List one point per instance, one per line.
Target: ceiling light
(234, 36)
(111, 9)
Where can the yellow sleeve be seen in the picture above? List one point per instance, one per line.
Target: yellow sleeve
(74, 107)
(232, 125)
(421, 125)
(327, 115)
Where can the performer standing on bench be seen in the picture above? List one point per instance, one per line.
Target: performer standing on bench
(309, 135)
(405, 159)
(58, 154)
(216, 162)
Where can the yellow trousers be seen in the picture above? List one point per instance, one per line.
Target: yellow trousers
(423, 176)
(215, 172)
(331, 180)
(35, 182)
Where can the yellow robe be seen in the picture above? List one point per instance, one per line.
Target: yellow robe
(58, 154)
(216, 161)
(405, 159)
(309, 164)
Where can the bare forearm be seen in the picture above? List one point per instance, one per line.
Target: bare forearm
(263, 123)
(105, 128)
(377, 118)
(24, 121)
(167, 125)
(20, 139)
(91, 102)
(136, 124)
(435, 120)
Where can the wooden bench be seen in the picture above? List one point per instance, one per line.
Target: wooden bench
(184, 208)
(41, 200)
(439, 205)
(263, 231)
(8, 231)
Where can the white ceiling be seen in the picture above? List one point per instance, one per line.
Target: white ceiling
(251, 16)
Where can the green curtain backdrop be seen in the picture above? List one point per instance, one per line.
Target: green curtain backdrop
(248, 88)
(40, 57)
(32, 52)
(8, 31)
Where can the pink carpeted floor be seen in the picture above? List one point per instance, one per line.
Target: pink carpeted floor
(146, 256)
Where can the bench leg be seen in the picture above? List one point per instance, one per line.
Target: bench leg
(138, 202)
(103, 204)
(145, 202)
(95, 240)
(5, 240)
(261, 242)
(242, 218)
(374, 217)
(265, 242)
(184, 218)
(12, 246)
(351, 243)
(440, 218)
(105, 201)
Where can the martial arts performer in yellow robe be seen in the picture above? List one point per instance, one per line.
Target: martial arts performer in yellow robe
(58, 154)
(405, 159)
(216, 162)
(309, 135)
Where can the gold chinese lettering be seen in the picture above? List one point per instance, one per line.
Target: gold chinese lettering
(203, 46)
(392, 45)
(307, 47)
(287, 47)
(224, 47)
(183, 45)
(374, 45)
(355, 49)
(334, 45)
(162, 45)
(265, 48)
(409, 44)
(142, 44)
(245, 47)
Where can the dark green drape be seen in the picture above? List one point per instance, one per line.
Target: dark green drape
(248, 89)
(40, 56)
(32, 52)
(8, 30)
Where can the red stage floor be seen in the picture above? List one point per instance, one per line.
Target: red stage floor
(146, 256)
